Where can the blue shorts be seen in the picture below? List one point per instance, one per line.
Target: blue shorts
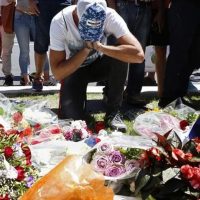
(48, 9)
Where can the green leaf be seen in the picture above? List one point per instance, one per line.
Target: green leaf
(169, 174)
(1, 111)
(171, 186)
(174, 140)
(141, 180)
(190, 147)
(195, 159)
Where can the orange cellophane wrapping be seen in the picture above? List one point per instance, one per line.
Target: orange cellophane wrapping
(72, 179)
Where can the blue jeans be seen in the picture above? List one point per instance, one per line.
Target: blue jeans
(138, 19)
(24, 26)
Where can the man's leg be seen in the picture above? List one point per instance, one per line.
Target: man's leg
(182, 26)
(138, 19)
(114, 72)
(42, 39)
(73, 95)
(140, 29)
(7, 45)
(22, 32)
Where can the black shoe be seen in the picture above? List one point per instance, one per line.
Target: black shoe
(163, 102)
(8, 80)
(115, 122)
(136, 100)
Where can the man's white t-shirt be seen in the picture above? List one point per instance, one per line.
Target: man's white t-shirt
(64, 34)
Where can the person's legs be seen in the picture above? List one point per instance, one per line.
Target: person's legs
(138, 19)
(42, 39)
(160, 63)
(182, 27)
(22, 31)
(7, 45)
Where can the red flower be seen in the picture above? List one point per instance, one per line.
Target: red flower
(97, 140)
(21, 173)
(37, 127)
(178, 154)
(183, 124)
(89, 131)
(55, 130)
(12, 132)
(27, 153)
(192, 174)
(8, 152)
(4, 197)
(99, 126)
(198, 147)
(17, 117)
(26, 132)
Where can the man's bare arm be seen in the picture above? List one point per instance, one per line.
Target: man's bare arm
(62, 68)
(129, 49)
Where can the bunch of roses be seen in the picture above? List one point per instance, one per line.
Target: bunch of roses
(16, 172)
(192, 174)
(77, 131)
(113, 161)
(170, 169)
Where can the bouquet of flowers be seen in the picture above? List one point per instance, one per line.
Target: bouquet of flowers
(170, 170)
(117, 162)
(76, 131)
(16, 172)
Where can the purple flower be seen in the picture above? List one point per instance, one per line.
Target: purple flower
(29, 181)
(131, 165)
(116, 157)
(114, 170)
(68, 135)
(104, 148)
(100, 163)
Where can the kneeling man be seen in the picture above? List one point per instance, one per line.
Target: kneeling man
(79, 55)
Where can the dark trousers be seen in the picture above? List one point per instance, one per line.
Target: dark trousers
(48, 9)
(138, 19)
(184, 27)
(73, 88)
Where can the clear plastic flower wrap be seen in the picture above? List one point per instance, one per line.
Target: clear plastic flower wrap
(72, 179)
(155, 122)
(47, 155)
(40, 114)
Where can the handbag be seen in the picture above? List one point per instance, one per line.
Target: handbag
(7, 15)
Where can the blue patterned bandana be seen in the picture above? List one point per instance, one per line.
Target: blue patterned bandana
(91, 23)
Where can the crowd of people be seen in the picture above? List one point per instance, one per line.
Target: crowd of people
(98, 40)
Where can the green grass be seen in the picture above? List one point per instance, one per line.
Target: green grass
(53, 101)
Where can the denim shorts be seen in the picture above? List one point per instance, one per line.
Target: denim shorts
(48, 9)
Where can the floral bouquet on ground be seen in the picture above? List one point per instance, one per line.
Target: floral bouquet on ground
(170, 170)
(116, 163)
(16, 172)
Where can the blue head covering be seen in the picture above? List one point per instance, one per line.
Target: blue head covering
(91, 19)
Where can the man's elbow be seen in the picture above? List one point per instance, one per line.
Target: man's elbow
(140, 57)
(137, 58)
